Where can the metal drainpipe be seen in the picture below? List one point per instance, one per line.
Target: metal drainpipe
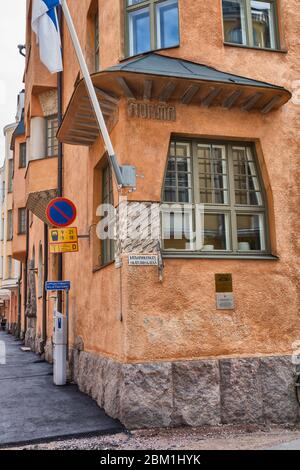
(60, 153)
(19, 298)
(45, 280)
(26, 267)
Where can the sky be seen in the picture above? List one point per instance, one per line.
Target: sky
(12, 33)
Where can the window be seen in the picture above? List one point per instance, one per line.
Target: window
(22, 156)
(51, 140)
(3, 191)
(223, 179)
(251, 23)
(2, 230)
(21, 221)
(1, 267)
(9, 225)
(40, 272)
(9, 267)
(107, 245)
(10, 175)
(151, 24)
(97, 41)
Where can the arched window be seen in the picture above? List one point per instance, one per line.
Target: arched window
(214, 199)
(40, 271)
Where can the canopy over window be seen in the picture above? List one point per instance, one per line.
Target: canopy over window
(164, 79)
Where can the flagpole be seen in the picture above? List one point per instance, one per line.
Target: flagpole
(92, 93)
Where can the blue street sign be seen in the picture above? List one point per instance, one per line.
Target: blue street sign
(57, 286)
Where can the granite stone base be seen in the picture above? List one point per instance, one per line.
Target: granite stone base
(30, 335)
(193, 393)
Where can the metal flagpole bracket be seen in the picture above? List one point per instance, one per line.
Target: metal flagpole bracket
(125, 175)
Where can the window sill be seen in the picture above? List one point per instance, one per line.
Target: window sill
(99, 268)
(263, 49)
(193, 255)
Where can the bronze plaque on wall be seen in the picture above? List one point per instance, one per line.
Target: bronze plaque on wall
(223, 283)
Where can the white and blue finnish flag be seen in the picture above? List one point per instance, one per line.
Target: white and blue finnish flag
(46, 27)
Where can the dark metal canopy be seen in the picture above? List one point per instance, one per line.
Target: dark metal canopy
(155, 77)
(156, 64)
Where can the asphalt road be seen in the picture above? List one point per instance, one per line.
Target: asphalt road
(33, 409)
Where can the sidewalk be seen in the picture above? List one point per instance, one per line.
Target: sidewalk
(33, 409)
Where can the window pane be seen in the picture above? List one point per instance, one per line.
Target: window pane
(139, 30)
(134, 2)
(263, 24)
(51, 140)
(234, 18)
(177, 230)
(22, 159)
(178, 181)
(215, 230)
(213, 177)
(108, 244)
(247, 186)
(250, 232)
(167, 24)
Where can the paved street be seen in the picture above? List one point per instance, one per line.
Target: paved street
(32, 408)
(293, 445)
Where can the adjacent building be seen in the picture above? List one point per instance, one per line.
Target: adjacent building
(192, 320)
(9, 267)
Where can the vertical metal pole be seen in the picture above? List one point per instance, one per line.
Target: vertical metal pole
(67, 317)
(92, 93)
(60, 156)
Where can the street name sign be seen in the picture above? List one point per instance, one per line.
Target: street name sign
(143, 260)
(55, 286)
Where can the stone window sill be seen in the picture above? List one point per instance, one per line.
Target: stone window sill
(263, 49)
(221, 256)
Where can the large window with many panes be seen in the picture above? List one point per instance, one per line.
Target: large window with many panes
(251, 23)
(51, 139)
(213, 199)
(150, 25)
(107, 244)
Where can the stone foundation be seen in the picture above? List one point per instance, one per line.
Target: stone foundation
(49, 352)
(30, 335)
(193, 393)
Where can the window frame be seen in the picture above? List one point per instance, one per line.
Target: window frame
(10, 226)
(249, 28)
(96, 26)
(231, 210)
(9, 267)
(22, 162)
(10, 175)
(20, 211)
(151, 6)
(107, 250)
(51, 150)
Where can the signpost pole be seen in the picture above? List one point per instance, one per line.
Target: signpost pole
(67, 317)
(92, 93)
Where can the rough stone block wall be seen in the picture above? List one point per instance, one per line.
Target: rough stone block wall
(193, 393)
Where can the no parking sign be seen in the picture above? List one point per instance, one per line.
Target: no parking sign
(61, 212)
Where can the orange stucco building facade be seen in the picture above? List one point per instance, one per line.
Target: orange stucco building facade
(150, 343)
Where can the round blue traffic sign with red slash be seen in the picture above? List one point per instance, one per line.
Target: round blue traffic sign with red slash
(61, 212)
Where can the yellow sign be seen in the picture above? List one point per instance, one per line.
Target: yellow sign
(63, 240)
(223, 283)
